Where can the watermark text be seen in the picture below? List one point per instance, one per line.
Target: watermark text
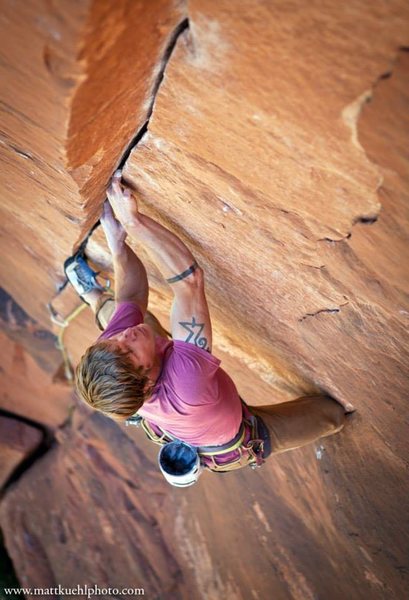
(80, 590)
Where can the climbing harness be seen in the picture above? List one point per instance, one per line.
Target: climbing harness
(245, 449)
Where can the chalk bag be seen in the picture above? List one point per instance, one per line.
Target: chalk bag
(179, 463)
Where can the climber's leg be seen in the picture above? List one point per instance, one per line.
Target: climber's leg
(83, 279)
(103, 308)
(300, 422)
(103, 302)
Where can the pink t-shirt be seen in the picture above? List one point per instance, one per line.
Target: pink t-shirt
(194, 399)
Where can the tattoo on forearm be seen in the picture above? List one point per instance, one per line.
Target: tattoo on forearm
(183, 275)
(195, 330)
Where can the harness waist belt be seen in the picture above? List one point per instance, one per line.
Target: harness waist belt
(235, 443)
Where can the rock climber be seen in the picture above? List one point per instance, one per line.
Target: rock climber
(176, 387)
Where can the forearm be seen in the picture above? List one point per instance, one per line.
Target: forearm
(131, 282)
(170, 254)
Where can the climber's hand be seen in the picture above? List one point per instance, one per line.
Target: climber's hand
(114, 231)
(122, 201)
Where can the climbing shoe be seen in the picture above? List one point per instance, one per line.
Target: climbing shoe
(80, 275)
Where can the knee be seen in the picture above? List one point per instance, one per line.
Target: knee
(336, 413)
(326, 406)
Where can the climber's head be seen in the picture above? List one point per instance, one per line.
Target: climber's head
(137, 341)
(116, 375)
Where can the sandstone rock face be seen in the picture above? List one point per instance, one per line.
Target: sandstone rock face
(18, 440)
(29, 364)
(99, 527)
(302, 527)
(277, 150)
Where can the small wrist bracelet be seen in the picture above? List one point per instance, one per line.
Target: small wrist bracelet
(186, 273)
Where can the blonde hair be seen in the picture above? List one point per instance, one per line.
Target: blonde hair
(108, 381)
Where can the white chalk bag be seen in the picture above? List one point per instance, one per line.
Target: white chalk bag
(179, 463)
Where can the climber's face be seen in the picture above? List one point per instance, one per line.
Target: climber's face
(139, 341)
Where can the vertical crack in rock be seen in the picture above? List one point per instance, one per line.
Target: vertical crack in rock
(161, 73)
(160, 70)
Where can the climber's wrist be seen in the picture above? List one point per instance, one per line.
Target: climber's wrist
(133, 222)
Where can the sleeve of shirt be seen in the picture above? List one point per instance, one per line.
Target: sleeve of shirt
(126, 314)
(191, 371)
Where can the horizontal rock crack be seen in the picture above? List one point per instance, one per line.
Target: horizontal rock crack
(323, 310)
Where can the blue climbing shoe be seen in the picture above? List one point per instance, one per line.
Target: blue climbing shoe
(80, 275)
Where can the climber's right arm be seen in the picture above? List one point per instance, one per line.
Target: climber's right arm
(190, 320)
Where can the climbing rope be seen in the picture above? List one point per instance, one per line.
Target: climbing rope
(63, 324)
